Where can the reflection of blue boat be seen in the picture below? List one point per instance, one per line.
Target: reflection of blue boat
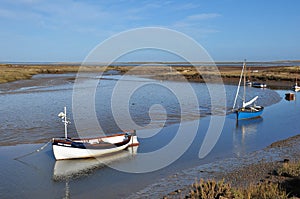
(250, 123)
(244, 135)
(249, 109)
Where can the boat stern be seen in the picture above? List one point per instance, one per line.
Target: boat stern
(134, 141)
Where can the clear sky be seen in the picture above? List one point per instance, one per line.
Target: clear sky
(230, 30)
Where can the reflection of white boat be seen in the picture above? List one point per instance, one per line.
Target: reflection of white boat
(67, 148)
(66, 169)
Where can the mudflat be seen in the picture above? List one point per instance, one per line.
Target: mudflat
(274, 76)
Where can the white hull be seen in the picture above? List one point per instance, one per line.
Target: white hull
(64, 152)
(296, 88)
(259, 85)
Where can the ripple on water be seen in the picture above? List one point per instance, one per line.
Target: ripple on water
(31, 116)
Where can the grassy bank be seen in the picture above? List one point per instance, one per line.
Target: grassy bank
(283, 182)
(273, 76)
(276, 76)
(13, 72)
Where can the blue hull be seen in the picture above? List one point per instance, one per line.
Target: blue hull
(243, 115)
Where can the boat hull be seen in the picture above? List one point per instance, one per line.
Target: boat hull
(259, 85)
(63, 150)
(296, 88)
(243, 114)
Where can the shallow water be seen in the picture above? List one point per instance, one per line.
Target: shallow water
(39, 175)
(29, 108)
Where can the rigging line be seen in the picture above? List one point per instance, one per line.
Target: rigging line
(237, 92)
(35, 151)
(32, 167)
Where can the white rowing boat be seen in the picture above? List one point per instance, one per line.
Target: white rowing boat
(68, 148)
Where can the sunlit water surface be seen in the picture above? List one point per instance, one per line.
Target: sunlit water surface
(29, 115)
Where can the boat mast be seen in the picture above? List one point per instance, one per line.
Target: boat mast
(238, 89)
(244, 95)
(296, 83)
(248, 79)
(66, 123)
(63, 116)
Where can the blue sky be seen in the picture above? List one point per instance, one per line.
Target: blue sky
(230, 30)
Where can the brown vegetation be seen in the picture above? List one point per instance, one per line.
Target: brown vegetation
(283, 182)
(276, 76)
(13, 72)
(273, 76)
(212, 189)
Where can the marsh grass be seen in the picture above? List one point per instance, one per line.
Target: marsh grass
(291, 172)
(291, 169)
(265, 190)
(212, 189)
(286, 185)
(12, 72)
(9, 72)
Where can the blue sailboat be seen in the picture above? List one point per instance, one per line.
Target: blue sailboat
(249, 109)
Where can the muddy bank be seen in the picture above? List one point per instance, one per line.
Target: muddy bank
(274, 76)
(255, 167)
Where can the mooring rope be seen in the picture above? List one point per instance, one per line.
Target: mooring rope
(36, 151)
